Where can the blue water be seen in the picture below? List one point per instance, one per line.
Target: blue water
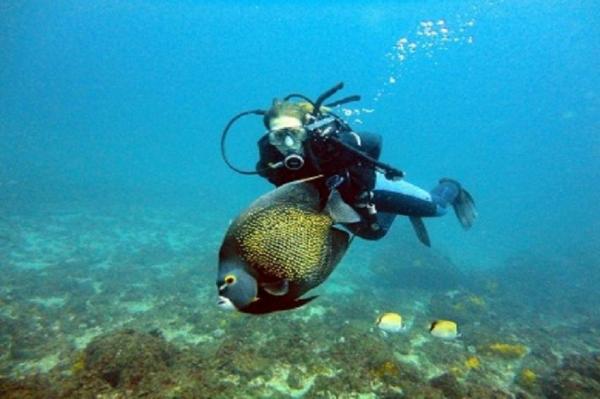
(107, 104)
(129, 98)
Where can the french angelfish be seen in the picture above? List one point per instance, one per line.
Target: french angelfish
(282, 246)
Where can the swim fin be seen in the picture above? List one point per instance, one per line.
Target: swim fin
(420, 229)
(463, 204)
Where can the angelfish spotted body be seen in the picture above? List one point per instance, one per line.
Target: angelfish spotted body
(283, 245)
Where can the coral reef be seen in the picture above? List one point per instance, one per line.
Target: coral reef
(505, 350)
(528, 378)
(577, 377)
(122, 305)
(472, 362)
(449, 385)
(410, 265)
(458, 305)
(516, 281)
(33, 387)
(127, 357)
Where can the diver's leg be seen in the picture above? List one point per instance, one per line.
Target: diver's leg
(384, 222)
(372, 230)
(403, 198)
(444, 194)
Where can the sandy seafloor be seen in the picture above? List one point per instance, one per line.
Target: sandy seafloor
(117, 303)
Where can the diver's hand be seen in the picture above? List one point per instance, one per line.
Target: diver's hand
(322, 128)
(394, 174)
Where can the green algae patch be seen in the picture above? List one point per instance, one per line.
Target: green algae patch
(505, 350)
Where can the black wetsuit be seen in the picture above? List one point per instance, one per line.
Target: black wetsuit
(326, 157)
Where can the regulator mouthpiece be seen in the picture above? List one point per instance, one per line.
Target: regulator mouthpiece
(293, 162)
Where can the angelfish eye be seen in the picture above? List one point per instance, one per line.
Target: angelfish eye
(230, 279)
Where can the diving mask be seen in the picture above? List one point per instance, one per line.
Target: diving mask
(288, 140)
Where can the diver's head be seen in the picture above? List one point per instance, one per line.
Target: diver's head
(237, 288)
(297, 116)
(285, 121)
(287, 114)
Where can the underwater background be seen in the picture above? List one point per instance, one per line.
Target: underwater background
(114, 198)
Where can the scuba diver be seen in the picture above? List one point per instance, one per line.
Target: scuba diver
(305, 139)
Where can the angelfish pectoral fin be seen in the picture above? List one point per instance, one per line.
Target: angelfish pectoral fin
(420, 230)
(339, 210)
(277, 288)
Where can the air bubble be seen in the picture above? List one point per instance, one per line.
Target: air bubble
(429, 37)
